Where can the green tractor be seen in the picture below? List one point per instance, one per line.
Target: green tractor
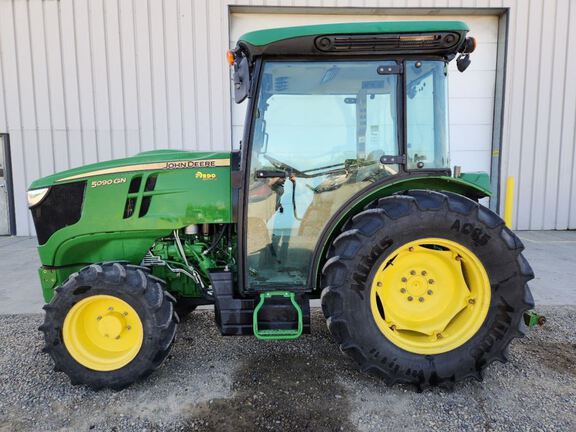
(342, 191)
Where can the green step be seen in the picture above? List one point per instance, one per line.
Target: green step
(277, 334)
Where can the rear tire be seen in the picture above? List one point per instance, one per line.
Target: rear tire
(366, 244)
(128, 284)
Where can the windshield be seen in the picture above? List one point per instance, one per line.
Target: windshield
(320, 129)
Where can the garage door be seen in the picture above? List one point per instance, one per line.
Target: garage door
(471, 93)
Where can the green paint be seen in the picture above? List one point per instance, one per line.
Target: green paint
(141, 158)
(479, 179)
(181, 197)
(533, 319)
(265, 37)
(48, 281)
(277, 334)
(178, 282)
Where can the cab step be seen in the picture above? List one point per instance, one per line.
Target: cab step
(278, 333)
(235, 314)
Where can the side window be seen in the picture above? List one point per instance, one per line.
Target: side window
(381, 131)
(427, 118)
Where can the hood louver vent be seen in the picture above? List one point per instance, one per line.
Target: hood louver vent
(387, 43)
(135, 194)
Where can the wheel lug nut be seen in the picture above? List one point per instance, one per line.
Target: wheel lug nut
(458, 258)
(430, 292)
(411, 249)
(98, 318)
(420, 299)
(423, 273)
(110, 308)
(431, 281)
(393, 327)
(439, 336)
(125, 314)
(410, 298)
(412, 272)
(117, 337)
(129, 328)
(378, 284)
(402, 290)
(472, 301)
(404, 279)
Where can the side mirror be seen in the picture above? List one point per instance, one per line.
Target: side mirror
(462, 62)
(241, 79)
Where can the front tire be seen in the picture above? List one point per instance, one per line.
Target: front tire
(109, 325)
(383, 310)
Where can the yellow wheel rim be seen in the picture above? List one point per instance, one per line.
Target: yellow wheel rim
(103, 332)
(430, 296)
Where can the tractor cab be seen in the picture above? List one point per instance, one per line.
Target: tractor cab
(332, 111)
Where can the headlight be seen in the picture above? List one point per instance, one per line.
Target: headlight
(35, 196)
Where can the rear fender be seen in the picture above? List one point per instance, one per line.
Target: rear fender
(469, 186)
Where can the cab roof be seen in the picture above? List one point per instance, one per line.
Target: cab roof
(268, 36)
(383, 37)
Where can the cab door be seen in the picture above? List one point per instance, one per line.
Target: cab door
(320, 130)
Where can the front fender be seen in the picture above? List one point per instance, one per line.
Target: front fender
(474, 186)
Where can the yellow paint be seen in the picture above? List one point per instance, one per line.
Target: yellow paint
(509, 201)
(432, 297)
(103, 333)
(205, 176)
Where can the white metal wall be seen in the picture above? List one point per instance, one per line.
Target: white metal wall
(89, 80)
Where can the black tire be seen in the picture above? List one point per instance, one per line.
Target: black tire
(134, 285)
(384, 226)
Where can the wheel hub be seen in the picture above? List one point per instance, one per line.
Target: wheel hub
(417, 286)
(430, 296)
(111, 326)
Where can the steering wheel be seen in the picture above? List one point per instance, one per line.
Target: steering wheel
(281, 165)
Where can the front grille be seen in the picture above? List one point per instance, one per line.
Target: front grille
(60, 208)
(387, 43)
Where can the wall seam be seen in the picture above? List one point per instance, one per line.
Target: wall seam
(63, 83)
(48, 86)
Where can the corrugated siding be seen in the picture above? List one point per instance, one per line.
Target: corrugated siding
(89, 80)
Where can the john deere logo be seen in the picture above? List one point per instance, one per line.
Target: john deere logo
(205, 176)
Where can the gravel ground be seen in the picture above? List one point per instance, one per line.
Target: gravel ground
(218, 384)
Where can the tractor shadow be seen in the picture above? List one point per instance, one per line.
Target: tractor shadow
(558, 357)
(276, 391)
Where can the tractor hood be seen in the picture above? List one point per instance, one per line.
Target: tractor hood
(102, 211)
(156, 160)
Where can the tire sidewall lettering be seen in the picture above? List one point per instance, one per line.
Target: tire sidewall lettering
(478, 234)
